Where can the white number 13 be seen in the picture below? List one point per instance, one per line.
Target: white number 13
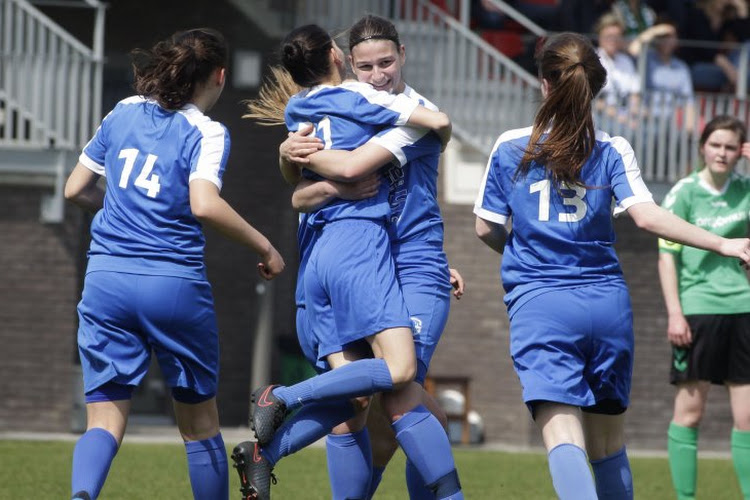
(543, 188)
(145, 180)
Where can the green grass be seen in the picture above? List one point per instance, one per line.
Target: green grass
(39, 469)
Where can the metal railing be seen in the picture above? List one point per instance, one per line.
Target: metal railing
(50, 82)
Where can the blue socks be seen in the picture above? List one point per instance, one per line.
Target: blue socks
(92, 457)
(614, 480)
(426, 445)
(207, 466)
(349, 465)
(416, 486)
(360, 378)
(377, 476)
(309, 424)
(570, 472)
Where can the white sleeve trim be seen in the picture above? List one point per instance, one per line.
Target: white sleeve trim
(398, 138)
(205, 176)
(630, 201)
(485, 214)
(91, 165)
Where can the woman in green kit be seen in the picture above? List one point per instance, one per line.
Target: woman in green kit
(708, 302)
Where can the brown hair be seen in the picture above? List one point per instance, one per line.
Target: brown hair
(723, 122)
(571, 67)
(305, 63)
(172, 69)
(372, 28)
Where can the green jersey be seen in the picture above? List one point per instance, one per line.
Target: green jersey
(710, 283)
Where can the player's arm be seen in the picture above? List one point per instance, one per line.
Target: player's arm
(436, 121)
(311, 195)
(210, 208)
(82, 189)
(348, 166)
(492, 234)
(654, 219)
(678, 330)
(294, 152)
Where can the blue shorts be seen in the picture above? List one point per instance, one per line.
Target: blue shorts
(122, 317)
(575, 346)
(351, 290)
(308, 342)
(424, 276)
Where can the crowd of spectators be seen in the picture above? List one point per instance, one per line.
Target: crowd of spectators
(711, 34)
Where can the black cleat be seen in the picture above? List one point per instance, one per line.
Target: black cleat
(255, 472)
(81, 495)
(267, 413)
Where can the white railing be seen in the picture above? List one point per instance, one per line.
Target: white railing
(50, 82)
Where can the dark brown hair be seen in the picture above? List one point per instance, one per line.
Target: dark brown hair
(172, 69)
(571, 67)
(304, 54)
(372, 28)
(723, 122)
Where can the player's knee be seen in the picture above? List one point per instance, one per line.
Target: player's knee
(402, 371)
(688, 417)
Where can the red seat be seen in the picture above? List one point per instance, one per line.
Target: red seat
(507, 42)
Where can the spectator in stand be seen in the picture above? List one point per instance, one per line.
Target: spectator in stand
(668, 79)
(620, 94)
(704, 22)
(635, 16)
(734, 32)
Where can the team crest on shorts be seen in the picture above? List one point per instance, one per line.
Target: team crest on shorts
(416, 324)
(680, 359)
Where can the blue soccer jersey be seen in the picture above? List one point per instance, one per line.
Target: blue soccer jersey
(146, 224)
(412, 179)
(345, 117)
(561, 236)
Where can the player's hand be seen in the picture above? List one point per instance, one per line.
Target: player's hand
(737, 247)
(678, 331)
(457, 282)
(272, 265)
(299, 145)
(365, 188)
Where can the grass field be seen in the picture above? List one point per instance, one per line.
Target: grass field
(39, 469)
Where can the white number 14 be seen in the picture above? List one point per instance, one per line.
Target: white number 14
(145, 180)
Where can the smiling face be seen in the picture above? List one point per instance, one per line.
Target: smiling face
(378, 62)
(721, 151)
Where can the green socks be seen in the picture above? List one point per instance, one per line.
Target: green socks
(682, 448)
(741, 459)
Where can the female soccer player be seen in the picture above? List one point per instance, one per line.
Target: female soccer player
(145, 287)
(708, 303)
(350, 288)
(570, 317)
(416, 231)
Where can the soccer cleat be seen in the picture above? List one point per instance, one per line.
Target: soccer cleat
(267, 414)
(81, 495)
(255, 472)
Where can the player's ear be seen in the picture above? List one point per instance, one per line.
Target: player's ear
(221, 76)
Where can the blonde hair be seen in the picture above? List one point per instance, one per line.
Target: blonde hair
(268, 108)
(607, 20)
